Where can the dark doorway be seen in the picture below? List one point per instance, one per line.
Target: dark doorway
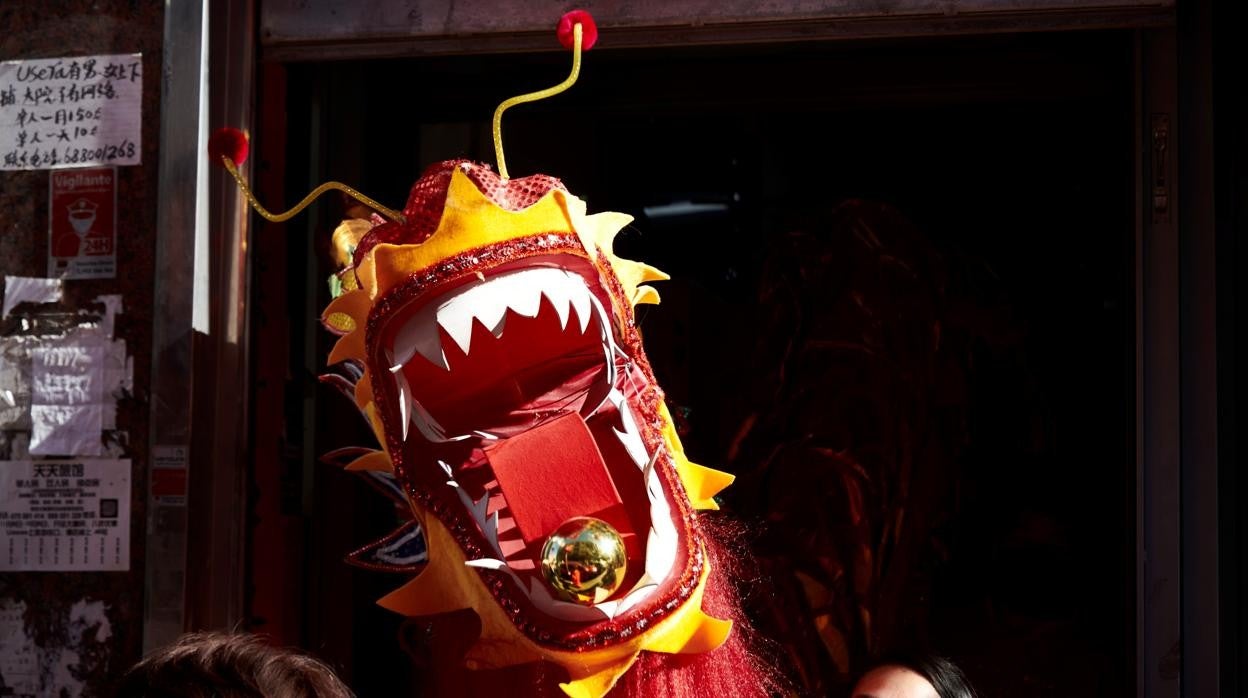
(901, 311)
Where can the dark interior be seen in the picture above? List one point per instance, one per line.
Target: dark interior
(974, 194)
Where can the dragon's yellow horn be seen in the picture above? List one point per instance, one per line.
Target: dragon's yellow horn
(576, 31)
(229, 146)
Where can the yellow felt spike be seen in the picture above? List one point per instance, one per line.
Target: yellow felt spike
(649, 273)
(689, 630)
(354, 304)
(637, 273)
(438, 588)
(423, 596)
(707, 634)
(633, 274)
(377, 461)
(498, 651)
(603, 227)
(363, 391)
(370, 411)
(646, 294)
(596, 681)
(702, 483)
(348, 346)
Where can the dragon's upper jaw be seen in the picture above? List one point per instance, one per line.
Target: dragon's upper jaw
(524, 358)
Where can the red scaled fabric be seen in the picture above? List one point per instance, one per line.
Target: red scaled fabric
(552, 473)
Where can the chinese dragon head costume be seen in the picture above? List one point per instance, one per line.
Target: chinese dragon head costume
(498, 361)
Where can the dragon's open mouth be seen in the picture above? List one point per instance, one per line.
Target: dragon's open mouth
(511, 387)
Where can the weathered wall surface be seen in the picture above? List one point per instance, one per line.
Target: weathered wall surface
(72, 633)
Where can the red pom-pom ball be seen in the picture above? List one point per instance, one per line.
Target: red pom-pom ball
(230, 143)
(589, 30)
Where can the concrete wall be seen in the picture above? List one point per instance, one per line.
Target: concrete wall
(72, 633)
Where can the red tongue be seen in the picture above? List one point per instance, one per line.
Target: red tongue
(552, 473)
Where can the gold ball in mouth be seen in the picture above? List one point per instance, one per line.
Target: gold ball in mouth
(584, 561)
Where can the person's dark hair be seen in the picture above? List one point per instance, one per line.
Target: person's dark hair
(942, 673)
(229, 665)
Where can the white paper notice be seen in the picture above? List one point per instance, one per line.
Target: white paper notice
(66, 400)
(65, 515)
(71, 112)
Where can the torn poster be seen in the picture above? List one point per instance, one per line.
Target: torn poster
(65, 515)
(66, 410)
(60, 387)
(34, 662)
(26, 289)
(71, 112)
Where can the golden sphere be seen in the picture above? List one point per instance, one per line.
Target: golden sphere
(584, 561)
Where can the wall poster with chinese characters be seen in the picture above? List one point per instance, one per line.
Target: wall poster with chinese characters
(71, 112)
(65, 515)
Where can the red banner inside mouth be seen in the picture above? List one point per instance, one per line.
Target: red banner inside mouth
(552, 473)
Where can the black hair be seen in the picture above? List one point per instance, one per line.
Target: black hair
(229, 665)
(941, 672)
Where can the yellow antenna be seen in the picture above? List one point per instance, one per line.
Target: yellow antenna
(231, 145)
(572, 31)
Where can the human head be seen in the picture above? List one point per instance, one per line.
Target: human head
(229, 665)
(919, 676)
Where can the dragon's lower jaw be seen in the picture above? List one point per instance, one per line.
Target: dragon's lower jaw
(525, 360)
(448, 584)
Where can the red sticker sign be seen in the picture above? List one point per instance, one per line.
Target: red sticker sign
(82, 223)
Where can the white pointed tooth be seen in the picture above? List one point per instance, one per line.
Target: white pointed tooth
(582, 305)
(559, 296)
(648, 470)
(633, 445)
(604, 324)
(486, 563)
(426, 424)
(419, 335)
(599, 392)
(405, 401)
(616, 398)
(525, 295)
(490, 305)
(446, 467)
(655, 492)
(610, 608)
(463, 496)
(636, 448)
(497, 328)
(479, 508)
(630, 436)
(642, 591)
(459, 326)
(490, 529)
(486, 435)
(661, 549)
(484, 300)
